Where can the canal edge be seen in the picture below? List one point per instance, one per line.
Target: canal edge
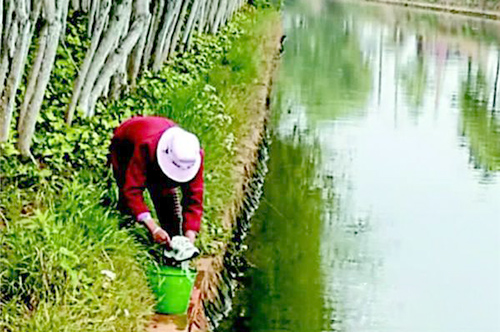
(213, 287)
(215, 284)
(465, 11)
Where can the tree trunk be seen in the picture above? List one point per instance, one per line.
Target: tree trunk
(94, 12)
(225, 15)
(218, 17)
(178, 26)
(120, 54)
(189, 25)
(32, 79)
(20, 23)
(85, 5)
(166, 32)
(6, 45)
(156, 20)
(64, 16)
(227, 12)
(135, 59)
(125, 25)
(212, 14)
(18, 62)
(75, 4)
(117, 81)
(230, 10)
(105, 47)
(201, 20)
(1, 25)
(54, 20)
(124, 37)
(80, 80)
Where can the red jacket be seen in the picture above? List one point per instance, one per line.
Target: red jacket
(133, 151)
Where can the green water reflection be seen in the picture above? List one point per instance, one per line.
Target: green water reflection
(324, 65)
(480, 124)
(287, 254)
(381, 207)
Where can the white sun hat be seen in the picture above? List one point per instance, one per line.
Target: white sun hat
(178, 154)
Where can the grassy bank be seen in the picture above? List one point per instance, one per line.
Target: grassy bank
(60, 229)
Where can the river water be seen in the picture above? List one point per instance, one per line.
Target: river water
(381, 208)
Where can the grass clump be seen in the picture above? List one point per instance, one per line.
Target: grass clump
(58, 226)
(52, 262)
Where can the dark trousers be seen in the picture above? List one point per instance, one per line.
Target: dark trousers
(168, 209)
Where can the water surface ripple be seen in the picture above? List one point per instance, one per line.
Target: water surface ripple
(381, 210)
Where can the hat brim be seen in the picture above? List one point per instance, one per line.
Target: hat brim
(166, 165)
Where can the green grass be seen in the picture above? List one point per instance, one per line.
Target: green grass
(58, 226)
(51, 268)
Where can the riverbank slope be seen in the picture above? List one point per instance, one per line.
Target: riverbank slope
(66, 261)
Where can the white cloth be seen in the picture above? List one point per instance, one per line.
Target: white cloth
(182, 249)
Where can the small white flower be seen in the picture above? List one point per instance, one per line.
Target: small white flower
(110, 274)
(126, 313)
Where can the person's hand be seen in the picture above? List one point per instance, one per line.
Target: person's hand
(159, 235)
(191, 235)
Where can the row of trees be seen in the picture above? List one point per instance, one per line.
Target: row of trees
(126, 37)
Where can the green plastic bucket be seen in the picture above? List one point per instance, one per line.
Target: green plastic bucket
(172, 288)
